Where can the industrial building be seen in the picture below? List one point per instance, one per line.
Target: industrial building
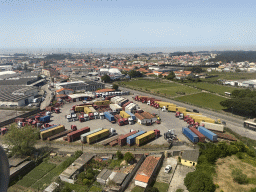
(15, 95)
(81, 85)
(145, 118)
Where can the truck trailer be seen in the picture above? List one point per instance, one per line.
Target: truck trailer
(73, 136)
(48, 133)
(208, 134)
(84, 136)
(190, 135)
(95, 137)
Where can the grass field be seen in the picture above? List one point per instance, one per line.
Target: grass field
(138, 189)
(224, 179)
(206, 100)
(230, 76)
(163, 187)
(171, 89)
(36, 174)
(213, 88)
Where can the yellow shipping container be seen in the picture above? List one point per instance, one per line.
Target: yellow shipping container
(48, 133)
(208, 120)
(79, 108)
(87, 110)
(181, 109)
(124, 114)
(97, 136)
(172, 108)
(191, 113)
(100, 103)
(140, 140)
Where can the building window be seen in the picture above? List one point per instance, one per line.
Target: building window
(190, 162)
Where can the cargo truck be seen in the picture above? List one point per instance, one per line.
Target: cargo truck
(208, 134)
(96, 115)
(181, 109)
(45, 119)
(201, 137)
(81, 118)
(122, 140)
(73, 136)
(102, 116)
(86, 117)
(190, 135)
(84, 136)
(119, 120)
(95, 137)
(79, 108)
(48, 133)
(109, 117)
(124, 114)
(144, 138)
(87, 110)
(213, 126)
(131, 139)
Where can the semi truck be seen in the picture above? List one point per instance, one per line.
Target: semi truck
(213, 126)
(48, 133)
(119, 120)
(109, 117)
(73, 136)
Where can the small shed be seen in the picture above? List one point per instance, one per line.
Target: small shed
(103, 176)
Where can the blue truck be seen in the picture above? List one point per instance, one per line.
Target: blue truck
(190, 135)
(131, 139)
(45, 119)
(208, 134)
(110, 117)
(131, 114)
(47, 128)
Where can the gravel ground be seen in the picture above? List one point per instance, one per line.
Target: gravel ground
(8, 114)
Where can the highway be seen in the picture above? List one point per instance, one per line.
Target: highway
(233, 123)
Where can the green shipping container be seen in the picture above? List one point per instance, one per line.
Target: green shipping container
(48, 133)
(144, 138)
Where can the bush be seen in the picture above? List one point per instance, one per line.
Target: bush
(119, 155)
(86, 181)
(89, 176)
(151, 189)
(239, 177)
(179, 158)
(179, 190)
(128, 157)
(81, 176)
(252, 190)
(78, 154)
(239, 155)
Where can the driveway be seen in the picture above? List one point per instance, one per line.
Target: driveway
(166, 177)
(48, 97)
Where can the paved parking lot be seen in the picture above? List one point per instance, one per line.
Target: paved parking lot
(166, 177)
(178, 178)
(169, 121)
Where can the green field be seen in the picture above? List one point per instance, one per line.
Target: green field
(213, 88)
(230, 76)
(169, 89)
(206, 100)
(161, 186)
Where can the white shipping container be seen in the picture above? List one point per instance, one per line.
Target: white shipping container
(213, 126)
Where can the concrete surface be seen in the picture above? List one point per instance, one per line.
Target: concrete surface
(166, 177)
(48, 97)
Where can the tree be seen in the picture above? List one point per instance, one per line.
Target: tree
(105, 79)
(170, 76)
(128, 157)
(115, 86)
(21, 140)
(134, 73)
(119, 155)
(160, 76)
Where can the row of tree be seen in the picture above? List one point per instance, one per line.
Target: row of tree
(235, 56)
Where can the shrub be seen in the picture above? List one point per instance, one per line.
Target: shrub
(81, 176)
(239, 155)
(252, 190)
(78, 154)
(119, 155)
(89, 176)
(217, 186)
(86, 181)
(239, 177)
(179, 158)
(179, 190)
(128, 157)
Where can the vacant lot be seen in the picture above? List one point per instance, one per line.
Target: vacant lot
(156, 86)
(205, 100)
(8, 114)
(213, 88)
(224, 178)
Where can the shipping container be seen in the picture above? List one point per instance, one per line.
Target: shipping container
(87, 110)
(95, 137)
(124, 114)
(48, 133)
(144, 138)
(208, 134)
(84, 136)
(213, 126)
(64, 133)
(92, 109)
(100, 103)
(73, 136)
(131, 139)
(122, 140)
(47, 128)
(45, 119)
(109, 140)
(190, 135)
(115, 108)
(181, 109)
(110, 117)
(201, 137)
(79, 109)
(131, 114)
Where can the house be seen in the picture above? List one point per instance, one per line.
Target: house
(147, 171)
(183, 74)
(145, 118)
(189, 158)
(64, 91)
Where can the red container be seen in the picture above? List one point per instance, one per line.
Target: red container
(124, 105)
(76, 134)
(200, 135)
(113, 143)
(64, 133)
(122, 140)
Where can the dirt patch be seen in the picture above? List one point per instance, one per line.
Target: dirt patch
(224, 178)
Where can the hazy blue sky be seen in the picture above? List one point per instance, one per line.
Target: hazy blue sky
(128, 23)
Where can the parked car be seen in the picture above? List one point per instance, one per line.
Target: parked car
(195, 110)
(168, 168)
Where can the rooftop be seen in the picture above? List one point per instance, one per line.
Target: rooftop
(190, 155)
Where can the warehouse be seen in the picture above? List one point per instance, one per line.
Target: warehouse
(81, 96)
(17, 95)
(103, 176)
(70, 174)
(147, 170)
(145, 118)
(81, 85)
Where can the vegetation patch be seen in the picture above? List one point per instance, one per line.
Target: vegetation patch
(161, 186)
(205, 100)
(138, 189)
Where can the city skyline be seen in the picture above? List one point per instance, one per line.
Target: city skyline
(130, 26)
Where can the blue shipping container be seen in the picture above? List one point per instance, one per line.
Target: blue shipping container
(208, 134)
(44, 129)
(109, 116)
(131, 139)
(132, 115)
(45, 119)
(190, 135)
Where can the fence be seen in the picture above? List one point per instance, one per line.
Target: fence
(10, 121)
(131, 175)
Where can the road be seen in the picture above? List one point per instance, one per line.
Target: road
(48, 97)
(233, 123)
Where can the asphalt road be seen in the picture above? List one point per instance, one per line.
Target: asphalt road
(48, 97)
(233, 123)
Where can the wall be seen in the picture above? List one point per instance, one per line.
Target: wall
(141, 184)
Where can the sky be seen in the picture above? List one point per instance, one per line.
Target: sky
(184, 25)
